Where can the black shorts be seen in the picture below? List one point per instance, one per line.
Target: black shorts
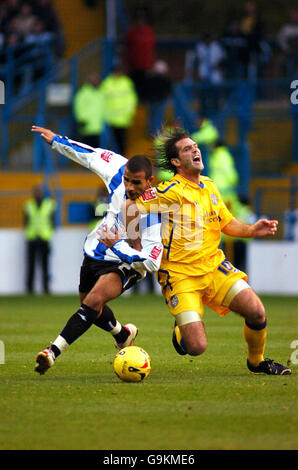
(92, 269)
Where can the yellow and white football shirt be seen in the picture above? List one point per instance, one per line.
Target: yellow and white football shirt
(193, 216)
(193, 271)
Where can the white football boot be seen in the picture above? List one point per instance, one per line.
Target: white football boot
(133, 331)
(44, 360)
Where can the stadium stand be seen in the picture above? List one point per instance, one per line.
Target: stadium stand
(260, 132)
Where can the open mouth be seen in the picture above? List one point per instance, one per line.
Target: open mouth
(197, 159)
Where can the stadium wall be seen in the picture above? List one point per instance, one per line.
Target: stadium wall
(272, 266)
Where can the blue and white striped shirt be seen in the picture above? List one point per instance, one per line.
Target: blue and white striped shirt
(109, 166)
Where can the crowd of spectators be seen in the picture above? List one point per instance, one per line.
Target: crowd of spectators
(244, 50)
(30, 22)
(31, 33)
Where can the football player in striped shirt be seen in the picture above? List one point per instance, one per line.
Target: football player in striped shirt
(109, 268)
(194, 271)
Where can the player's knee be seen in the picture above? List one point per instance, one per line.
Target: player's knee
(94, 301)
(197, 347)
(257, 314)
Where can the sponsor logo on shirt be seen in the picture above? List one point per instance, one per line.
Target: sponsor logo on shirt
(149, 194)
(106, 156)
(210, 216)
(155, 252)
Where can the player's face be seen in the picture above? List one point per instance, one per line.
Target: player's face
(136, 183)
(190, 158)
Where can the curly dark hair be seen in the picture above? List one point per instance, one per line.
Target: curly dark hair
(165, 146)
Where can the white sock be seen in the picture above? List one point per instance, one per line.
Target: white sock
(60, 343)
(117, 328)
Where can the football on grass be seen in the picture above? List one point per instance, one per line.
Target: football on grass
(132, 364)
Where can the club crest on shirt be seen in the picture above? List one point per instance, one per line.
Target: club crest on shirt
(174, 300)
(149, 194)
(214, 199)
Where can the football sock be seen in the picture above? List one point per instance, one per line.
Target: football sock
(255, 336)
(78, 323)
(178, 342)
(107, 321)
(58, 346)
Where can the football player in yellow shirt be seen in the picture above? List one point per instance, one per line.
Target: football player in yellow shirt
(194, 271)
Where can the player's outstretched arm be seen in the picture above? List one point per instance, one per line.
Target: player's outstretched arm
(262, 228)
(70, 149)
(46, 134)
(103, 162)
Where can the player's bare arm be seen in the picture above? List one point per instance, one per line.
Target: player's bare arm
(46, 134)
(262, 228)
(131, 216)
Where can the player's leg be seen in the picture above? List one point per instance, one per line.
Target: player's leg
(247, 304)
(189, 336)
(45, 252)
(107, 287)
(123, 335)
(31, 255)
(193, 338)
(243, 300)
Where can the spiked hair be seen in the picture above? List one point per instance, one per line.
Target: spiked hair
(165, 146)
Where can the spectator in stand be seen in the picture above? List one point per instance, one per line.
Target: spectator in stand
(253, 30)
(39, 34)
(209, 56)
(12, 9)
(205, 137)
(288, 42)
(25, 19)
(120, 103)
(4, 21)
(236, 47)
(38, 42)
(9, 26)
(207, 133)
(140, 44)
(12, 34)
(222, 170)
(88, 111)
(158, 90)
(46, 12)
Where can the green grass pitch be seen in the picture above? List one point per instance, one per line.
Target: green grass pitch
(191, 403)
